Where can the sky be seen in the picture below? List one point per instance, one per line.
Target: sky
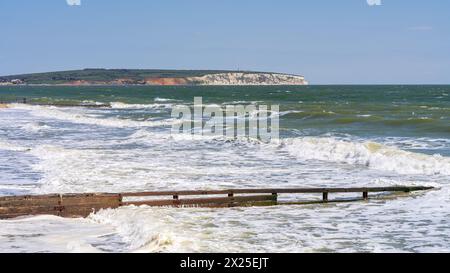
(327, 41)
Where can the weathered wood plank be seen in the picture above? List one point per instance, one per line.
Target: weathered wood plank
(31, 202)
(276, 190)
(69, 205)
(28, 209)
(80, 200)
(54, 200)
(14, 197)
(81, 205)
(202, 201)
(28, 198)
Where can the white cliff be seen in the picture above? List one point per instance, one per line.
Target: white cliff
(237, 78)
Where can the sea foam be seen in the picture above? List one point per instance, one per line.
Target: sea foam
(121, 105)
(369, 154)
(81, 117)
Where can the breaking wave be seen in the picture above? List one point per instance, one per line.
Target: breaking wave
(369, 154)
(6, 146)
(35, 127)
(121, 105)
(79, 117)
(141, 234)
(163, 99)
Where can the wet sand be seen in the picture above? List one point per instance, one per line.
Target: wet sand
(2, 105)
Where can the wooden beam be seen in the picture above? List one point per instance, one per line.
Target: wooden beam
(201, 201)
(81, 205)
(275, 190)
(69, 205)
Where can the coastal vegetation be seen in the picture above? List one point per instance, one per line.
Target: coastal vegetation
(153, 77)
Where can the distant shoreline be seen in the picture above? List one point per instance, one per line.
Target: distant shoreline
(124, 77)
(144, 85)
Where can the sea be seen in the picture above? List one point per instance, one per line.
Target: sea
(330, 136)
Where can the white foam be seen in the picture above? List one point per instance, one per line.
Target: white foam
(370, 154)
(163, 99)
(52, 234)
(8, 146)
(79, 116)
(182, 162)
(35, 127)
(121, 105)
(284, 113)
(142, 230)
(90, 102)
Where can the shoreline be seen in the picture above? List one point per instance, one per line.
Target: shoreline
(145, 85)
(4, 106)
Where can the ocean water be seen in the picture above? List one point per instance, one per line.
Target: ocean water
(334, 136)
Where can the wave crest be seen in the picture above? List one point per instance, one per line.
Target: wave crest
(122, 105)
(370, 154)
(81, 117)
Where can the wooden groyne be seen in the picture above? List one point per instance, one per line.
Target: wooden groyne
(81, 205)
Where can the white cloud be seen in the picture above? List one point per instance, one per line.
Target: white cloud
(73, 2)
(374, 2)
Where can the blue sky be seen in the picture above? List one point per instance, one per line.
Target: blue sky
(328, 41)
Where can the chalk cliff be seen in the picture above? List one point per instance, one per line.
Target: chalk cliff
(153, 77)
(237, 78)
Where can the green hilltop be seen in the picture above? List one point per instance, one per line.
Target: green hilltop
(108, 75)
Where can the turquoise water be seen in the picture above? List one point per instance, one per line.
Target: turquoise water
(371, 112)
(420, 111)
(336, 136)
